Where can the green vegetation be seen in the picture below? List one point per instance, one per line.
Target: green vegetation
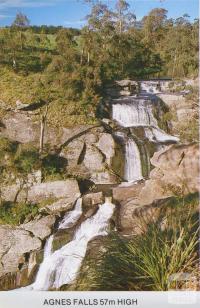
(19, 161)
(16, 213)
(146, 261)
(69, 68)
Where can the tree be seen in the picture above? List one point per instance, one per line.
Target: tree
(153, 25)
(21, 20)
(123, 17)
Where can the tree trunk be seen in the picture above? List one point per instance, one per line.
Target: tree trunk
(19, 190)
(88, 58)
(82, 53)
(42, 130)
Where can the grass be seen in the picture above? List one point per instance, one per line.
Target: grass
(63, 111)
(16, 213)
(147, 262)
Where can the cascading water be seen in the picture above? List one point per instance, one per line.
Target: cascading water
(133, 113)
(156, 135)
(62, 266)
(133, 167)
(72, 217)
(151, 87)
(137, 112)
(48, 247)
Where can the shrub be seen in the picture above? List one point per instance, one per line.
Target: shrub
(16, 213)
(27, 159)
(7, 147)
(53, 167)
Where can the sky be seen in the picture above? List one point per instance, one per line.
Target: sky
(71, 13)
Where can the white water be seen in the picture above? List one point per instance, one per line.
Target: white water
(48, 247)
(135, 113)
(62, 266)
(72, 217)
(156, 135)
(150, 87)
(133, 167)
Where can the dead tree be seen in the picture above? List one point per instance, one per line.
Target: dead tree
(42, 129)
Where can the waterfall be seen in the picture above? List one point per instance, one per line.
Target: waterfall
(151, 87)
(133, 167)
(157, 135)
(48, 247)
(133, 113)
(137, 112)
(72, 217)
(62, 266)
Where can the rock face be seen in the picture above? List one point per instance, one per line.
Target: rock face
(89, 151)
(56, 189)
(176, 172)
(40, 228)
(67, 190)
(62, 205)
(181, 109)
(16, 246)
(92, 199)
(21, 127)
(95, 156)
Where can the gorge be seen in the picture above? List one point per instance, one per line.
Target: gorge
(118, 158)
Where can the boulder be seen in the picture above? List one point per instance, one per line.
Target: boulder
(93, 159)
(105, 177)
(176, 172)
(15, 245)
(40, 228)
(72, 133)
(122, 194)
(62, 205)
(21, 127)
(57, 189)
(106, 145)
(134, 219)
(92, 199)
(68, 190)
(73, 151)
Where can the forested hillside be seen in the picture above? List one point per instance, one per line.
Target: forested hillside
(99, 136)
(69, 68)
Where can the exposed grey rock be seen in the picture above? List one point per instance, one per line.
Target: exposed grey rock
(107, 146)
(19, 127)
(61, 205)
(134, 219)
(67, 189)
(14, 244)
(93, 159)
(73, 151)
(74, 132)
(93, 199)
(41, 228)
(29, 107)
(56, 189)
(176, 172)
